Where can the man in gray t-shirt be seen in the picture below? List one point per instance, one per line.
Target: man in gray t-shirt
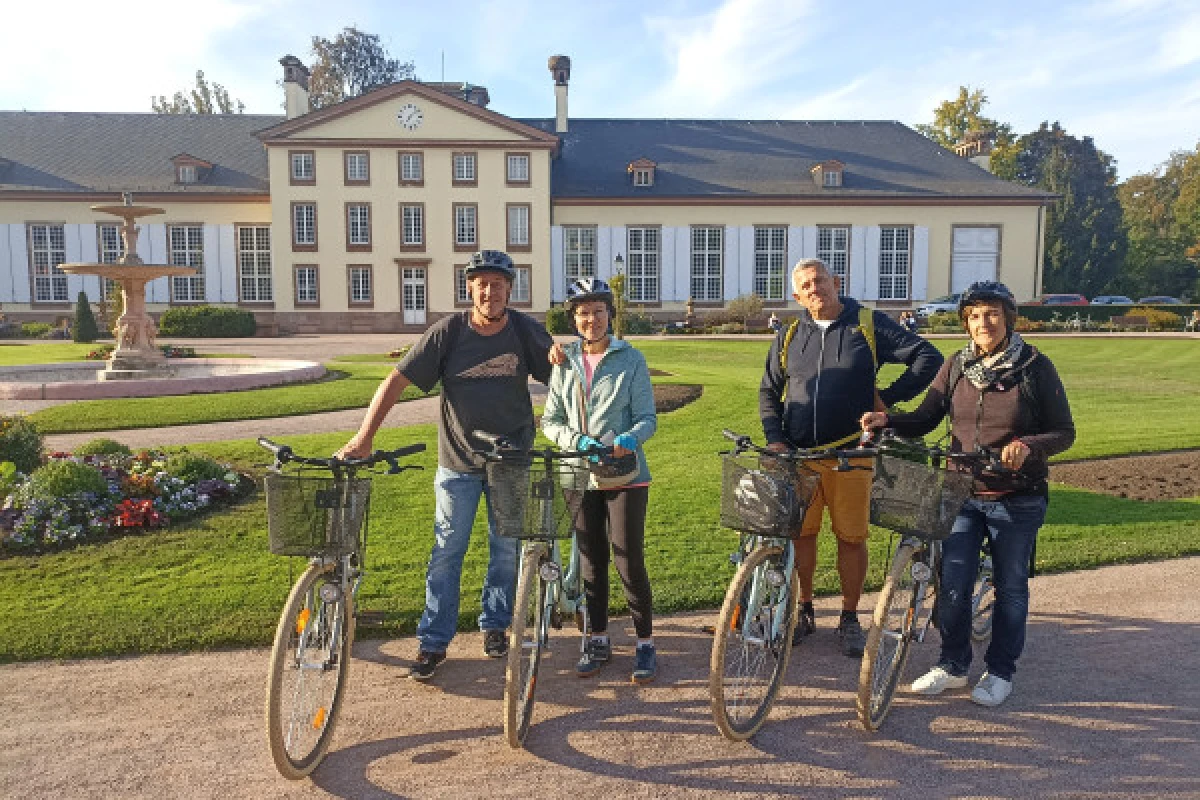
(483, 358)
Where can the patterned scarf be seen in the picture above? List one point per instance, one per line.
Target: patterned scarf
(981, 374)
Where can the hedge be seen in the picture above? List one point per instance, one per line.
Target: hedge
(1096, 313)
(207, 321)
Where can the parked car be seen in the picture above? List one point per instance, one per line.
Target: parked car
(939, 305)
(1111, 300)
(1160, 300)
(1064, 300)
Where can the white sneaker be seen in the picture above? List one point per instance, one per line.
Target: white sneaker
(991, 690)
(936, 681)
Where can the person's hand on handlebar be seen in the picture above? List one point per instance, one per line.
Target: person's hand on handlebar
(623, 444)
(358, 447)
(1014, 454)
(873, 421)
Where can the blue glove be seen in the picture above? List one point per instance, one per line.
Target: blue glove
(586, 443)
(626, 440)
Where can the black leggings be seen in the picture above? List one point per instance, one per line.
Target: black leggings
(619, 514)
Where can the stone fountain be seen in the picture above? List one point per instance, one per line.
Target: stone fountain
(137, 350)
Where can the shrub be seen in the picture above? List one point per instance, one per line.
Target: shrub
(192, 468)
(102, 447)
(20, 443)
(728, 327)
(36, 330)
(100, 353)
(210, 321)
(61, 479)
(638, 322)
(745, 308)
(1157, 319)
(84, 329)
(558, 320)
(8, 480)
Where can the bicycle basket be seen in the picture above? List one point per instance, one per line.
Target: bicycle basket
(531, 502)
(764, 496)
(315, 516)
(915, 499)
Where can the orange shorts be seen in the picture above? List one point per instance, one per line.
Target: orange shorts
(847, 495)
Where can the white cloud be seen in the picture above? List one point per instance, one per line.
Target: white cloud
(1180, 46)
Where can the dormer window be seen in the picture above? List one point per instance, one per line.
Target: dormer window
(642, 171)
(189, 169)
(187, 174)
(828, 174)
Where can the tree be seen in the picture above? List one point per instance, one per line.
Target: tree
(204, 99)
(351, 64)
(84, 329)
(954, 119)
(1162, 222)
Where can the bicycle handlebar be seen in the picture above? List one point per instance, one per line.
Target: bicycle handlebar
(284, 455)
(983, 456)
(502, 447)
(742, 443)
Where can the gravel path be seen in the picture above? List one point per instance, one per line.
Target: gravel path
(1105, 705)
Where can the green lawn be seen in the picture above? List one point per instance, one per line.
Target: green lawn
(213, 583)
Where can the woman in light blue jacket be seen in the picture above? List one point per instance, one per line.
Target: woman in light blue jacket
(602, 395)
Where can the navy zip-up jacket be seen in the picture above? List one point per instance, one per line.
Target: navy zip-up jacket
(831, 377)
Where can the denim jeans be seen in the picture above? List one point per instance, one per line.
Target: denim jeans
(457, 497)
(1012, 524)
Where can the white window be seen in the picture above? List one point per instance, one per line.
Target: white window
(464, 167)
(518, 169)
(410, 167)
(833, 248)
(304, 223)
(465, 232)
(707, 257)
(112, 247)
(48, 249)
(306, 285)
(302, 166)
(518, 226)
(520, 290)
(641, 177)
(360, 284)
(254, 263)
(832, 177)
(359, 224)
(770, 262)
(895, 257)
(461, 294)
(413, 223)
(643, 264)
(580, 256)
(187, 250)
(187, 174)
(357, 167)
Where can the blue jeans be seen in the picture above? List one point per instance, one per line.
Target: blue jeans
(457, 501)
(1012, 524)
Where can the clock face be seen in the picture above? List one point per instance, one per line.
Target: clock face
(410, 116)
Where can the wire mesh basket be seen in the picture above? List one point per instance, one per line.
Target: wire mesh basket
(916, 499)
(531, 501)
(764, 496)
(315, 515)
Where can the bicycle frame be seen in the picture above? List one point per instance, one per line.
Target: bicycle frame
(759, 588)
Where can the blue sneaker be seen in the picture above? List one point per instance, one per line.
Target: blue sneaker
(645, 664)
(596, 653)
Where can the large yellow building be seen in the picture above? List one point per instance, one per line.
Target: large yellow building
(360, 216)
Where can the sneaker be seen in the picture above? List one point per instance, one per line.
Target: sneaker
(596, 653)
(938, 680)
(645, 664)
(495, 644)
(806, 625)
(851, 637)
(426, 664)
(991, 690)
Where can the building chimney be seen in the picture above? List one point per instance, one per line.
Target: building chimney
(560, 68)
(295, 87)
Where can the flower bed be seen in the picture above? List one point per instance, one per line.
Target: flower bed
(140, 492)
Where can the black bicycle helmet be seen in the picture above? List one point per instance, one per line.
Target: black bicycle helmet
(586, 289)
(987, 292)
(491, 261)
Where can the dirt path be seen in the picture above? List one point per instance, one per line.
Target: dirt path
(1106, 705)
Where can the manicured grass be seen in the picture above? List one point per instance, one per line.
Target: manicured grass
(14, 354)
(213, 583)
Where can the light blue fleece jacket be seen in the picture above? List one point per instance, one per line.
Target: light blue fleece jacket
(621, 399)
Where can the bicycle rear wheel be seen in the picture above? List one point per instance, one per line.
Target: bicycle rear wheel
(983, 599)
(752, 643)
(889, 639)
(525, 645)
(307, 677)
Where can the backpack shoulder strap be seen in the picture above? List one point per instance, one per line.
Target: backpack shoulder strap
(788, 335)
(1028, 387)
(866, 323)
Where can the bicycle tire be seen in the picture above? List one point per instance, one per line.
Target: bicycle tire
(888, 641)
(983, 601)
(525, 644)
(739, 707)
(306, 681)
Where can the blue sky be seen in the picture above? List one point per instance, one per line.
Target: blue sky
(1126, 72)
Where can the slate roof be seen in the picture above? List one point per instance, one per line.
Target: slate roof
(98, 152)
(707, 158)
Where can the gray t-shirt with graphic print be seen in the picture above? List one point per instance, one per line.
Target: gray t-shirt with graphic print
(484, 382)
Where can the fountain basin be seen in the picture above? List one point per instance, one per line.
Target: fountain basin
(83, 380)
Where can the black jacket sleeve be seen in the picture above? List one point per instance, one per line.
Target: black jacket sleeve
(927, 416)
(1057, 432)
(770, 393)
(895, 345)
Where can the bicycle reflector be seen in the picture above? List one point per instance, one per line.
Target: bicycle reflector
(764, 500)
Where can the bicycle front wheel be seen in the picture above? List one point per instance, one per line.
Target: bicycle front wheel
(307, 677)
(525, 644)
(889, 639)
(752, 643)
(983, 598)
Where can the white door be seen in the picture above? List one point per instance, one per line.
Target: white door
(975, 257)
(414, 295)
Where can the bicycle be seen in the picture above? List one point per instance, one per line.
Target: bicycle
(919, 501)
(764, 497)
(537, 496)
(324, 518)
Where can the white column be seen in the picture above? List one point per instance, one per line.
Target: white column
(152, 247)
(604, 253)
(7, 268)
(668, 266)
(683, 263)
(230, 291)
(89, 252)
(558, 266)
(857, 264)
(746, 259)
(808, 244)
(18, 249)
(731, 285)
(920, 263)
(617, 246)
(212, 271)
(871, 261)
(74, 254)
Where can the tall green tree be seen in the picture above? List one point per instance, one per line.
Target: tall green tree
(954, 119)
(352, 63)
(205, 98)
(1162, 222)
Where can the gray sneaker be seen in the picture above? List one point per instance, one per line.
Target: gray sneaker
(645, 664)
(425, 665)
(596, 653)
(851, 637)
